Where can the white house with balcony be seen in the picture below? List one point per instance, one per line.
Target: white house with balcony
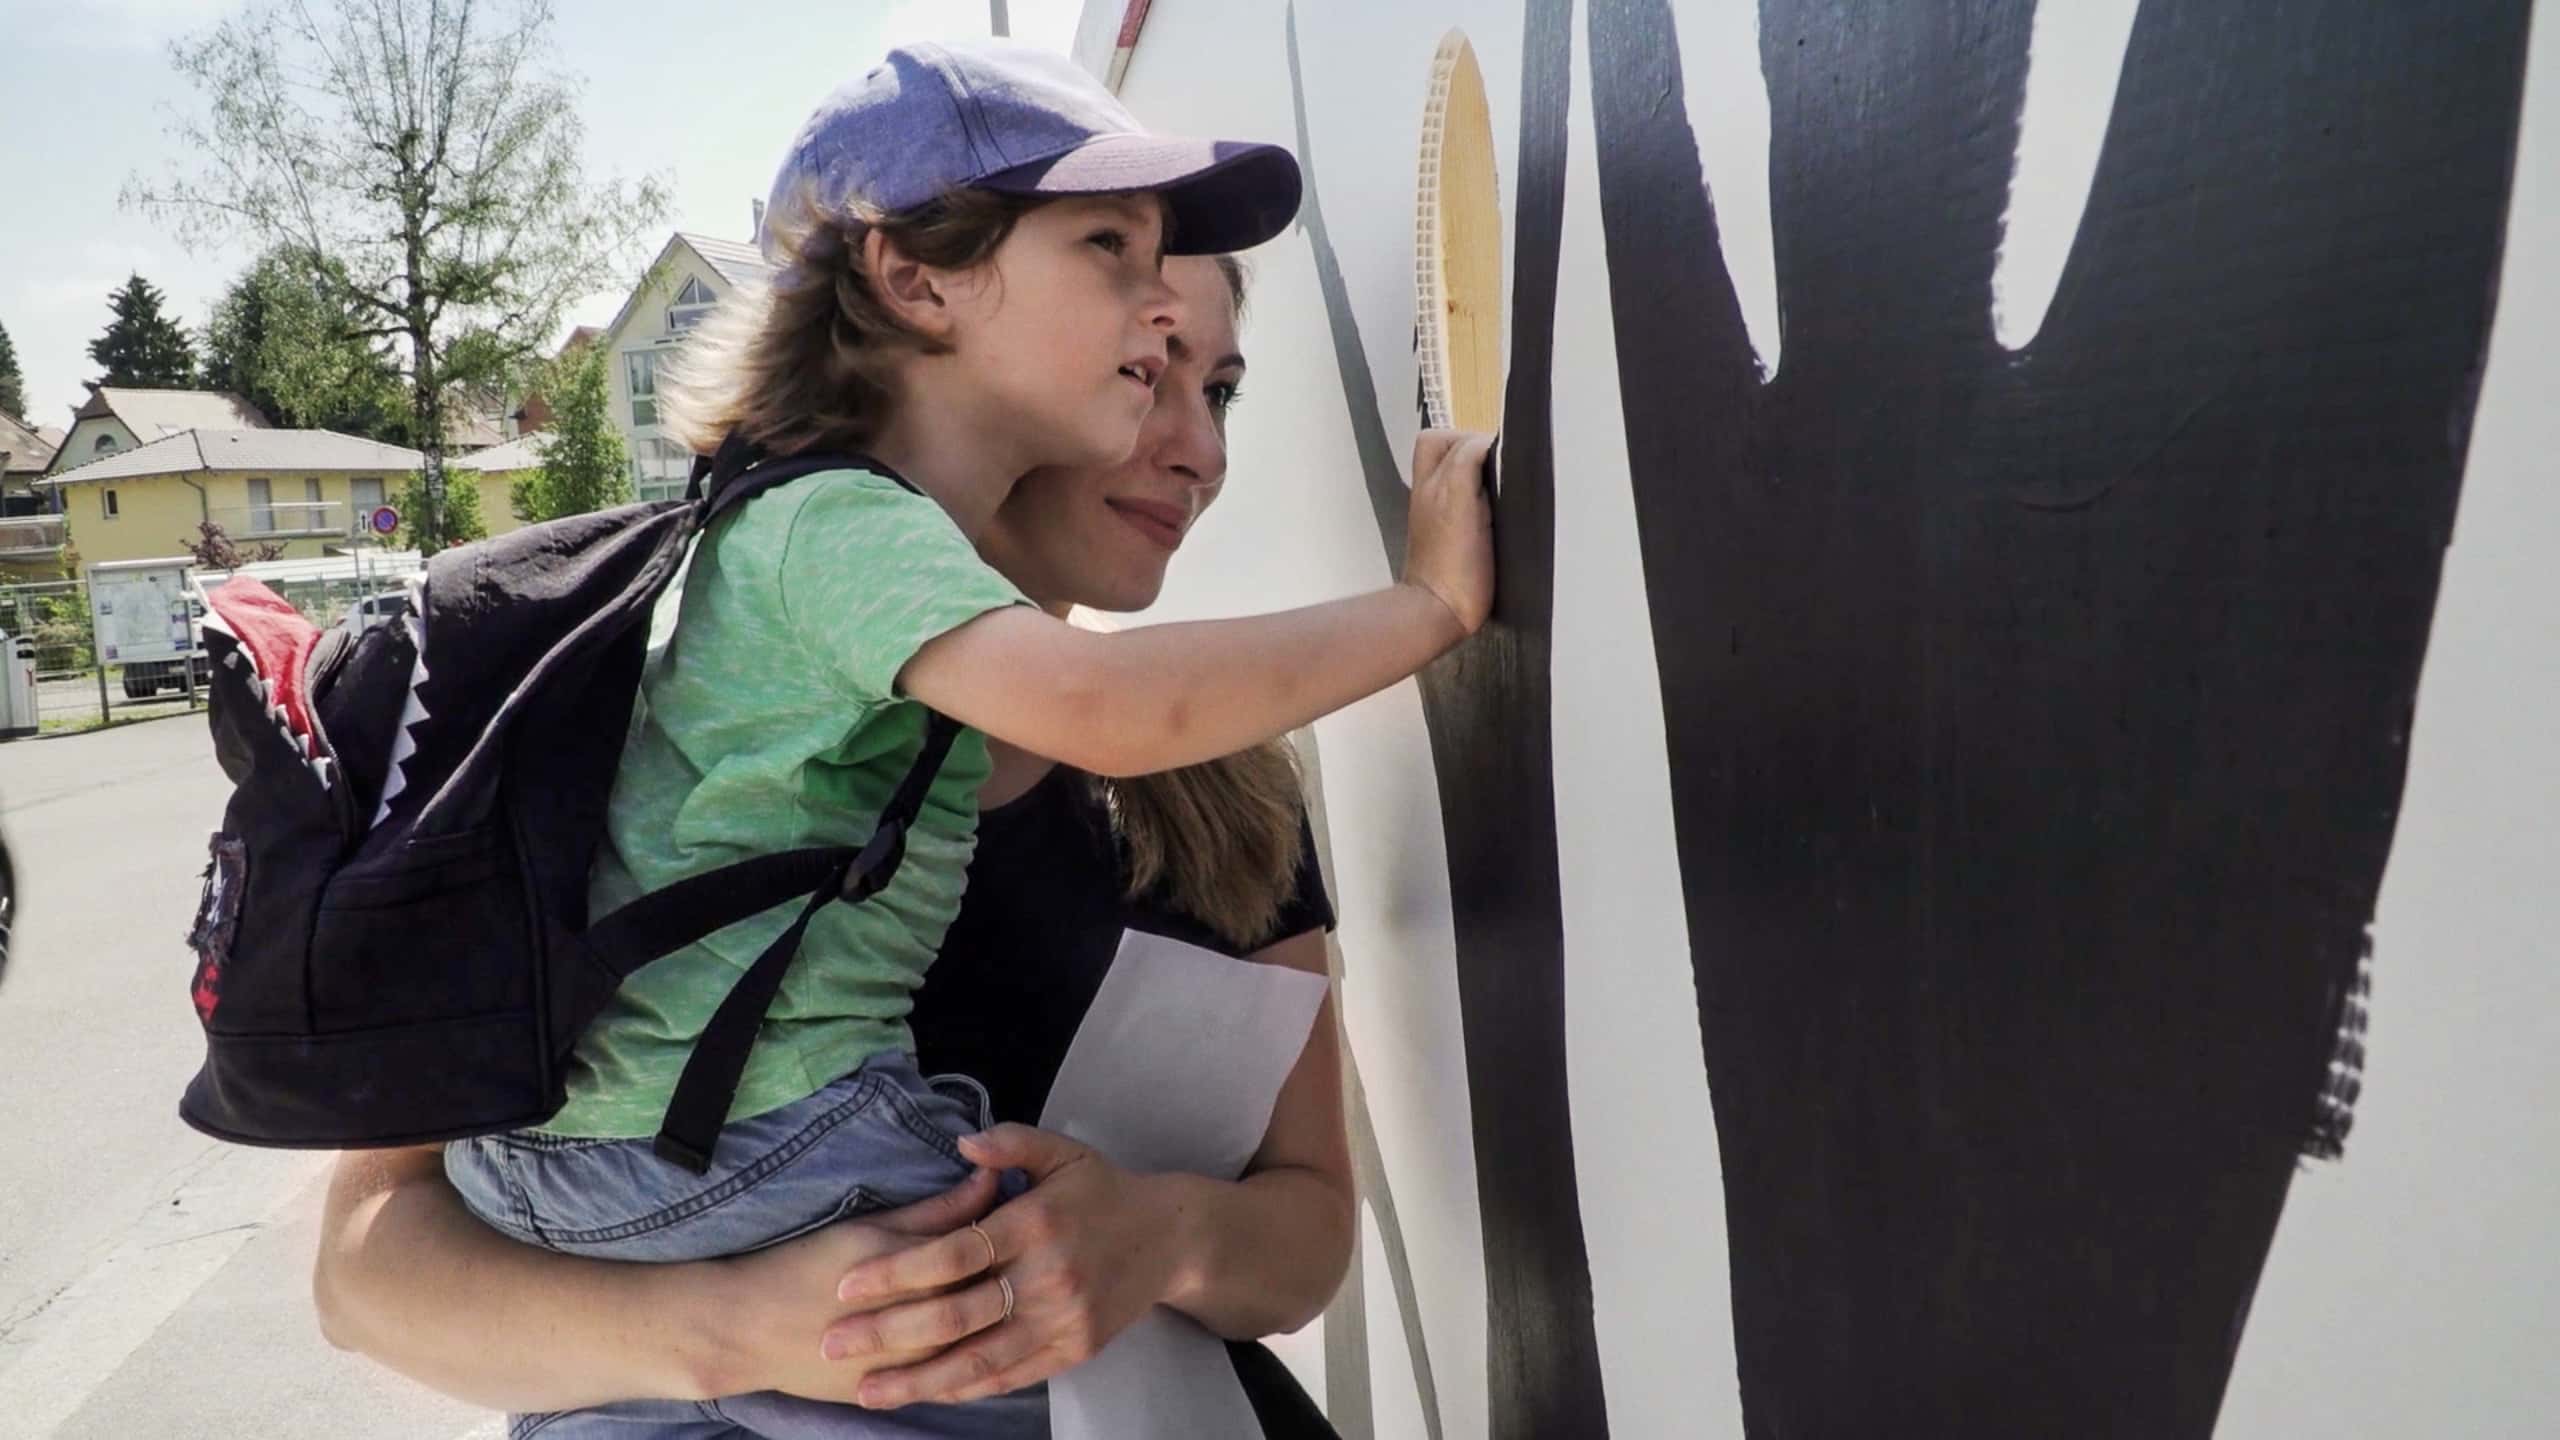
(690, 277)
(30, 536)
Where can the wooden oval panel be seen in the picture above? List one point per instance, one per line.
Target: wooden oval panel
(1457, 259)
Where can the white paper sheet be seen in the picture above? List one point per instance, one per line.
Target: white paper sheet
(1176, 1067)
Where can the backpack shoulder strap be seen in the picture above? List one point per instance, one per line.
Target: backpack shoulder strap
(710, 1080)
(740, 471)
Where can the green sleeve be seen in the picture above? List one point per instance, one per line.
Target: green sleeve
(869, 572)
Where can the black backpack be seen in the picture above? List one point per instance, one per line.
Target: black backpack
(393, 945)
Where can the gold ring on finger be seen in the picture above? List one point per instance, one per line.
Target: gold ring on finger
(1005, 1286)
(987, 1240)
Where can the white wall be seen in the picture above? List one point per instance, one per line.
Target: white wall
(81, 445)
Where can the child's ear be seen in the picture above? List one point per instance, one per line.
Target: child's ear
(910, 289)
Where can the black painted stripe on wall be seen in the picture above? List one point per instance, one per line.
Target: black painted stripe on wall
(1487, 707)
(2037, 722)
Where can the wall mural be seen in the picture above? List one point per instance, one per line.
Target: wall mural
(2036, 720)
(1487, 709)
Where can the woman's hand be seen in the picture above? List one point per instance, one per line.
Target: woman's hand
(1090, 1249)
(782, 1298)
(1449, 533)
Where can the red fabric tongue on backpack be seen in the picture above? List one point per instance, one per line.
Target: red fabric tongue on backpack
(278, 642)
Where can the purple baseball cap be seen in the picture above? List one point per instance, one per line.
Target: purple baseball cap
(1014, 118)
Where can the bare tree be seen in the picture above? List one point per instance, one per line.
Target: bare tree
(428, 151)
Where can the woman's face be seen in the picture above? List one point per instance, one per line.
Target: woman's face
(1101, 537)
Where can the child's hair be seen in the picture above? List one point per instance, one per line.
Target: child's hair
(804, 363)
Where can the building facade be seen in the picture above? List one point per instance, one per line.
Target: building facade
(689, 279)
(117, 418)
(306, 491)
(31, 538)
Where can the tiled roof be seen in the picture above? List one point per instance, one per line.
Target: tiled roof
(522, 453)
(26, 446)
(195, 450)
(153, 414)
(738, 264)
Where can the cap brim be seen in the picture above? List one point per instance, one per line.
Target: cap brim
(1225, 194)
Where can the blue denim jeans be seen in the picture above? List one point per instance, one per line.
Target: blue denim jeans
(879, 1138)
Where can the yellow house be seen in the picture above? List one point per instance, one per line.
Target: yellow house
(496, 471)
(302, 490)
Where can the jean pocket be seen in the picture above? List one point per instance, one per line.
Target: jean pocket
(971, 1096)
(863, 1144)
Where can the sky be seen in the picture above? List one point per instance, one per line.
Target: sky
(703, 95)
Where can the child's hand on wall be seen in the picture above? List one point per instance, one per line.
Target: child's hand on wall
(1449, 540)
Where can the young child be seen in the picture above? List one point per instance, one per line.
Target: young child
(970, 241)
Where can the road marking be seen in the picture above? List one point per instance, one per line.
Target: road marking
(54, 1356)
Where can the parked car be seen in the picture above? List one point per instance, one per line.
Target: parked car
(372, 610)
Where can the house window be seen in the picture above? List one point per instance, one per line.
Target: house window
(262, 508)
(660, 469)
(105, 444)
(366, 496)
(692, 303)
(641, 368)
(107, 503)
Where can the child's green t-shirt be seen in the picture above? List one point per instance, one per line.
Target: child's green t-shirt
(768, 720)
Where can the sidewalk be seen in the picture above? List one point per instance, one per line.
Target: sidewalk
(152, 1282)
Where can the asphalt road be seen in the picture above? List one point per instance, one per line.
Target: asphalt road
(152, 1282)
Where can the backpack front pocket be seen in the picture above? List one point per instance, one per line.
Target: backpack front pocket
(437, 935)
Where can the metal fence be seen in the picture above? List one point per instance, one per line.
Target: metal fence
(75, 692)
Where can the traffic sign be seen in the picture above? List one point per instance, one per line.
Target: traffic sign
(385, 520)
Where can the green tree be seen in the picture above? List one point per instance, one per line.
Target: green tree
(585, 465)
(277, 339)
(13, 384)
(462, 522)
(428, 149)
(141, 345)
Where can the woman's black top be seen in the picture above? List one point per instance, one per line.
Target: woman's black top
(1037, 930)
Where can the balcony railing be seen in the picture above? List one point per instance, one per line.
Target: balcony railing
(285, 520)
(24, 535)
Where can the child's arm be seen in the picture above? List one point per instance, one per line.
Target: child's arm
(1161, 696)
